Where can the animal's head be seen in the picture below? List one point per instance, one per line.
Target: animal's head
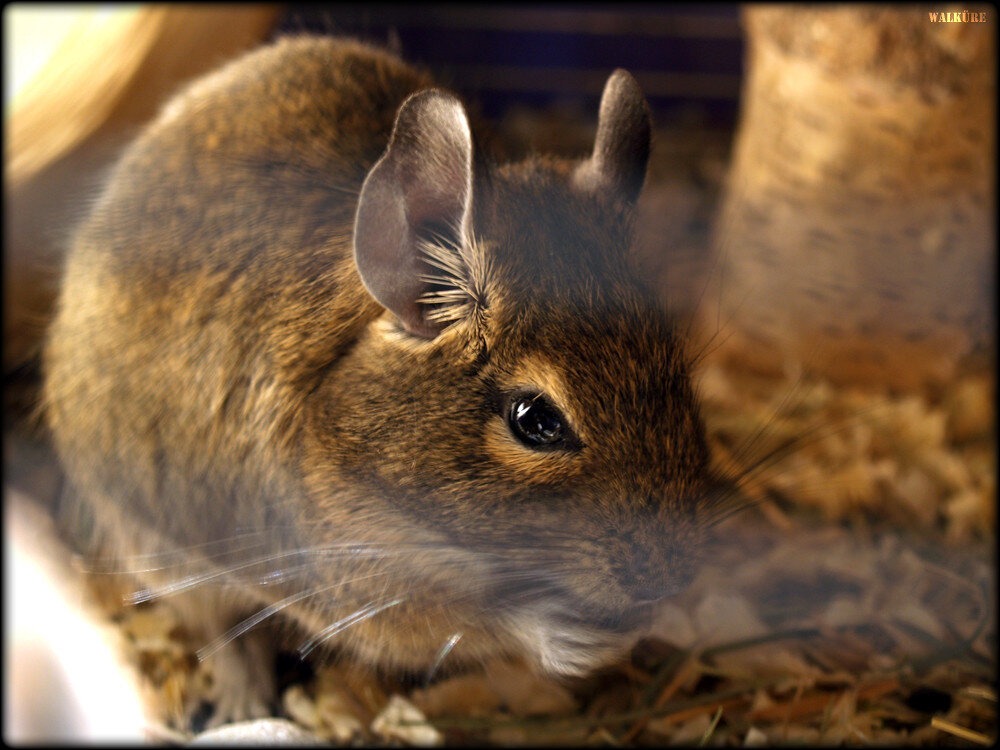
(523, 407)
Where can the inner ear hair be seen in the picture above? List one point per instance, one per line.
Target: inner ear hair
(456, 275)
(417, 197)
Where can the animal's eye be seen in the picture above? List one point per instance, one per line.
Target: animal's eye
(536, 422)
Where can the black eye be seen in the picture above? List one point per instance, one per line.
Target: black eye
(536, 422)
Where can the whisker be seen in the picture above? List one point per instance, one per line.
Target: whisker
(815, 433)
(729, 512)
(449, 644)
(144, 595)
(707, 348)
(258, 617)
(721, 511)
(736, 457)
(111, 565)
(277, 576)
(789, 446)
(269, 611)
(717, 266)
(773, 419)
(368, 611)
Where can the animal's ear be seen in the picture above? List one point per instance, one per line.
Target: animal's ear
(621, 149)
(420, 190)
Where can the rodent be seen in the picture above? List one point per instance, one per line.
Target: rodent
(308, 308)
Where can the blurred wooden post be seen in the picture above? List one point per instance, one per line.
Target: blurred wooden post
(856, 234)
(102, 83)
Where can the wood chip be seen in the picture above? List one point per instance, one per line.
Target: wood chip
(401, 720)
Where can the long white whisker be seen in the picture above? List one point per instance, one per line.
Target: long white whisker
(449, 644)
(369, 610)
(346, 548)
(184, 584)
(270, 610)
(278, 575)
(109, 566)
(255, 619)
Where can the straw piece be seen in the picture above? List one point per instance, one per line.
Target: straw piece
(959, 731)
(818, 702)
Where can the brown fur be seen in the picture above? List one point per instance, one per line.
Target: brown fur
(217, 366)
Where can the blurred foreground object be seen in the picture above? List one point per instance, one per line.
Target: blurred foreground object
(110, 73)
(260, 732)
(65, 679)
(856, 235)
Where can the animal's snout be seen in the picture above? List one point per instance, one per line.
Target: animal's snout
(648, 579)
(652, 570)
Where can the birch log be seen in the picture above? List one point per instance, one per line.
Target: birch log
(856, 233)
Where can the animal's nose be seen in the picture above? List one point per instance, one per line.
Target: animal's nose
(651, 576)
(649, 591)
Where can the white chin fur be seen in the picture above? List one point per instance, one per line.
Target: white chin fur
(569, 650)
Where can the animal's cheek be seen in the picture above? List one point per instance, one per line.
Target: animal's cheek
(525, 464)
